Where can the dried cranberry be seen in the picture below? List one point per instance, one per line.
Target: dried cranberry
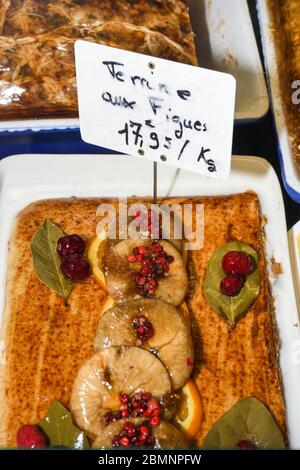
(76, 267)
(231, 285)
(70, 245)
(31, 437)
(237, 262)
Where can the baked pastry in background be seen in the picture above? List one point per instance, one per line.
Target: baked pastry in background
(286, 30)
(37, 69)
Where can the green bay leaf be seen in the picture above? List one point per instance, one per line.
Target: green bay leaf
(231, 308)
(248, 419)
(46, 260)
(60, 429)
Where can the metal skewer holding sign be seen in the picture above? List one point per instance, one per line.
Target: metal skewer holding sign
(155, 109)
(154, 182)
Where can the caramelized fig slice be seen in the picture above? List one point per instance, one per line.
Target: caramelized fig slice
(109, 373)
(120, 284)
(171, 339)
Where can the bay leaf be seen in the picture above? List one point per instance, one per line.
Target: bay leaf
(60, 429)
(46, 260)
(248, 419)
(231, 308)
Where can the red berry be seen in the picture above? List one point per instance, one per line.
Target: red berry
(76, 267)
(136, 404)
(146, 396)
(124, 441)
(143, 438)
(147, 413)
(124, 413)
(153, 284)
(128, 426)
(31, 437)
(131, 258)
(140, 411)
(141, 281)
(152, 403)
(155, 421)
(231, 285)
(237, 262)
(145, 271)
(124, 399)
(144, 430)
(141, 330)
(115, 441)
(70, 245)
(131, 434)
(245, 445)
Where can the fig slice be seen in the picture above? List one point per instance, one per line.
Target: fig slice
(249, 421)
(109, 373)
(120, 285)
(171, 341)
(165, 434)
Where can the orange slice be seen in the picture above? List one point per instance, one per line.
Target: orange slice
(189, 416)
(95, 254)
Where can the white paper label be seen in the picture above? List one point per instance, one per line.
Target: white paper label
(155, 109)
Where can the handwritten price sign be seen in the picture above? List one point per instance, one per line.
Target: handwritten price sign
(155, 109)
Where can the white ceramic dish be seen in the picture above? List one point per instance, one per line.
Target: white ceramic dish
(225, 42)
(27, 178)
(294, 242)
(290, 175)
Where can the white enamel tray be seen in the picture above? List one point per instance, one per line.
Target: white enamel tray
(294, 242)
(290, 175)
(225, 42)
(27, 178)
